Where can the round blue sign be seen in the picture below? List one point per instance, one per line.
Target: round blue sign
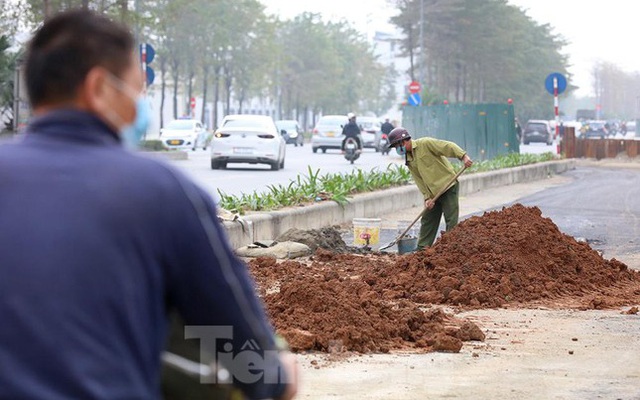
(150, 75)
(562, 82)
(149, 51)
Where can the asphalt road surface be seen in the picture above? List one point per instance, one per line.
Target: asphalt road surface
(600, 205)
(247, 178)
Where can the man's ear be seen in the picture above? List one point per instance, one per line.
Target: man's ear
(94, 90)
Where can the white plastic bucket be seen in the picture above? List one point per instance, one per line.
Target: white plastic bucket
(366, 231)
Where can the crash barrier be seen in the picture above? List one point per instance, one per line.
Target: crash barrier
(483, 130)
(269, 225)
(574, 147)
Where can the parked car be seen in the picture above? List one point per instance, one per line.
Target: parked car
(290, 129)
(538, 130)
(327, 133)
(595, 129)
(631, 128)
(184, 133)
(371, 132)
(252, 139)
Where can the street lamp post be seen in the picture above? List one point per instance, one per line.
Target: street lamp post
(21, 109)
(422, 42)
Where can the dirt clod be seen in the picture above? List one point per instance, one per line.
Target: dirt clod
(325, 238)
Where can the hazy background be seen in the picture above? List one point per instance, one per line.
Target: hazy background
(595, 30)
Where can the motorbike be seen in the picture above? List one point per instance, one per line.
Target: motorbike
(382, 146)
(351, 151)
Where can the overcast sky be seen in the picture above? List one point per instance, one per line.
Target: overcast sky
(596, 30)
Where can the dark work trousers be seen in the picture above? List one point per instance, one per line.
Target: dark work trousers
(447, 204)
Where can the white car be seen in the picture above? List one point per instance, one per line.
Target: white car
(252, 139)
(328, 133)
(184, 134)
(290, 129)
(371, 132)
(631, 128)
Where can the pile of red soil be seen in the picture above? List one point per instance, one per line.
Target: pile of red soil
(513, 255)
(376, 303)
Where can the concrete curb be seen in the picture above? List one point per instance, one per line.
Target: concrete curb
(269, 225)
(173, 155)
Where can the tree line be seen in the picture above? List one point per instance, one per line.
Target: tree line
(232, 50)
(617, 92)
(480, 51)
(225, 50)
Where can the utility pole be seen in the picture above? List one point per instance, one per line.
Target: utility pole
(17, 94)
(137, 30)
(421, 43)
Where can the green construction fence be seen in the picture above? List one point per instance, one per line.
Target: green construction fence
(482, 130)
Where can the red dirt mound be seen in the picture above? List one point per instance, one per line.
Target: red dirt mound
(374, 303)
(504, 256)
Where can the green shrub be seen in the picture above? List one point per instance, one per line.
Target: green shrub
(314, 187)
(509, 161)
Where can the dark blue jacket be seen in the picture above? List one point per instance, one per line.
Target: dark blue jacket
(97, 243)
(351, 129)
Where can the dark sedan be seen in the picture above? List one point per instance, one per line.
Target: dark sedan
(596, 129)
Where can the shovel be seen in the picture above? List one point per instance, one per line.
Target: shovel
(436, 197)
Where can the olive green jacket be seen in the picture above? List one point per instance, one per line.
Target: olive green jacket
(429, 166)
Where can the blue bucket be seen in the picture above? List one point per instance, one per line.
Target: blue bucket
(407, 245)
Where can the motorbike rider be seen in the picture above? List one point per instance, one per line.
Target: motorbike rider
(386, 127)
(351, 130)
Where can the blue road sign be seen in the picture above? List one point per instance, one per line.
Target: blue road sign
(562, 82)
(150, 75)
(151, 52)
(414, 99)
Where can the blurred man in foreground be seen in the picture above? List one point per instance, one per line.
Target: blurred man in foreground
(100, 243)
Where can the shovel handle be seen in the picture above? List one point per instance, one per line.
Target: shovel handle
(436, 197)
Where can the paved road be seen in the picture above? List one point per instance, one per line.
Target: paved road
(246, 178)
(600, 205)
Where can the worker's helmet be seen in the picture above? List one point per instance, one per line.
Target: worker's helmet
(397, 135)
(351, 115)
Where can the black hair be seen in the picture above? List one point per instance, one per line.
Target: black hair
(67, 47)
